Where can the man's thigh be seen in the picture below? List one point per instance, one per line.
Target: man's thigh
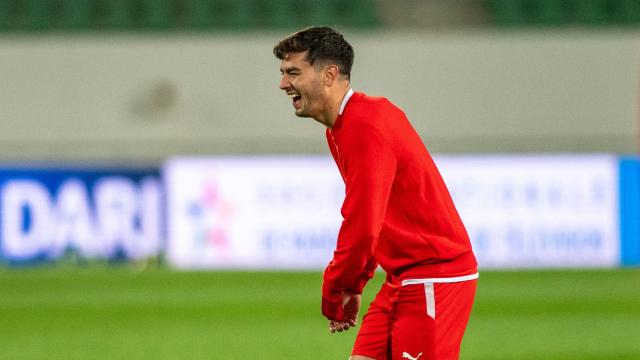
(373, 340)
(430, 320)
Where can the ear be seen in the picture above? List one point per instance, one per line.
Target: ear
(331, 74)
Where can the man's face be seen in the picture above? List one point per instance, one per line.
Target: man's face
(303, 84)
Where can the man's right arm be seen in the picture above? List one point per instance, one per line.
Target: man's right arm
(369, 170)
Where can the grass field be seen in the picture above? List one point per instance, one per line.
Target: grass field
(117, 313)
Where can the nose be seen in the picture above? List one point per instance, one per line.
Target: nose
(284, 83)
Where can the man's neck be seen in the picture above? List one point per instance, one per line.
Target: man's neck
(334, 104)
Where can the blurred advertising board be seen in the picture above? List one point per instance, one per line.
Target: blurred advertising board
(538, 211)
(255, 212)
(94, 213)
(284, 212)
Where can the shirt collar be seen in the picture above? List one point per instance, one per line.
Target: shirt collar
(347, 96)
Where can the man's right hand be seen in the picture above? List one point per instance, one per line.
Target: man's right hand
(351, 307)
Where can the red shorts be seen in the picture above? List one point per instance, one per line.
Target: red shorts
(414, 317)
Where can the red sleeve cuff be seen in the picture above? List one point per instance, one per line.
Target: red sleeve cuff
(331, 302)
(332, 309)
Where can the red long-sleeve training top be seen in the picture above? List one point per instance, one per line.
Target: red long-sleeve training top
(397, 210)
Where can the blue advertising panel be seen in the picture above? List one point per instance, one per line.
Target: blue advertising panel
(102, 213)
(630, 210)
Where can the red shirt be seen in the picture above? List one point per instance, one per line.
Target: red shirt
(397, 210)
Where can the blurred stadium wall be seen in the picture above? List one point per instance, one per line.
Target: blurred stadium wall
(146, 97)
(469, 85)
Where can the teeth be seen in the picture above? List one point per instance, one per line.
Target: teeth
(291, 96)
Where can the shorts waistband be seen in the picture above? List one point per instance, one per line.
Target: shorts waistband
(441, 280)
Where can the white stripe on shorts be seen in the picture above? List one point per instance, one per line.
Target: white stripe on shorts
(430, 297)
(429, 289)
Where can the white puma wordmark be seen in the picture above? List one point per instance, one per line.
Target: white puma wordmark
(405, 355)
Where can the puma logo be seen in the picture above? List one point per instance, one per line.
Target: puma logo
(405, 355)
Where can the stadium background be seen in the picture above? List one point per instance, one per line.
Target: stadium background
(104, 105)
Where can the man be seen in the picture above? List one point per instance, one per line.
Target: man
(397, 212)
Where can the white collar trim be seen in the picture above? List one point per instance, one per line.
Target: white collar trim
(345, 100)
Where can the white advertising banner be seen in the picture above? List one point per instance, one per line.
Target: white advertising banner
(284, 212)
(256, 212)
(538, 211)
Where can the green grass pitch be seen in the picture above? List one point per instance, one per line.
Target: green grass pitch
(117, 313)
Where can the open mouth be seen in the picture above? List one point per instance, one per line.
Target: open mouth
(295, 98)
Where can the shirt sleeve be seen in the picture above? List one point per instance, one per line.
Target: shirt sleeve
(369, 166)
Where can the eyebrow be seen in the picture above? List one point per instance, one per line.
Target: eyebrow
(289, 69)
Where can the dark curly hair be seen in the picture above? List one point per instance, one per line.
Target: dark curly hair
(324, 44)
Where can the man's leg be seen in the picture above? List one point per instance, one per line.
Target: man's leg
(430, 320)
(372, 342)
(456, 301)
